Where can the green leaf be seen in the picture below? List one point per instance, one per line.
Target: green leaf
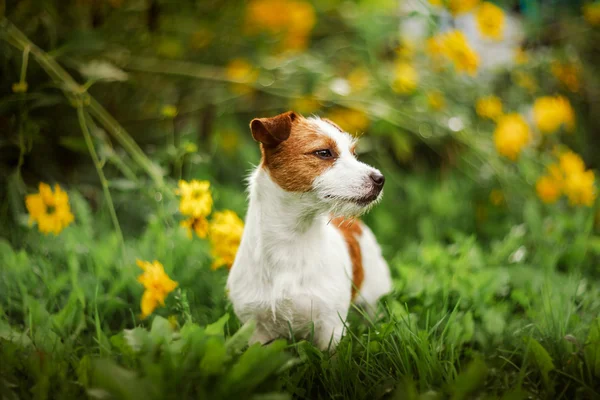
(161, 330)
(592, 349)
(470, 379)
(119, 382)
(216, 328)
(215, 356)
(541, 357)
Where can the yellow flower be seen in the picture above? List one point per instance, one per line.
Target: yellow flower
(489, 107)
(521, 56)
(201, 38)
(195, 224)
(169, 111)
(497, 197)
(591, 13)
(241, 71)
(406, 48)
(19, 87)
(358, 79)
(511, 135)
(526, 81)
(169, 47)
(567, 74)
(490, 20)
(196, 200)
(454, 47)
(436, 100)
(229, 141)
(579, 188)
(351, 120)
(305, 104)
(461, 6)
(243, 74)
(50, 210)
(291, 19)
(226, 230)
(568, 177)
(570, 163)
(405, 78)
(548, 189)
(550, 113)
(157, 285)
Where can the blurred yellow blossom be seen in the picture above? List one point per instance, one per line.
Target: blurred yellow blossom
(290, 18)
(351, 120)
(240, 70)
(406, 78)
(521, 56)
(550, 113)
(579, 188)
(19, 87)
(461, 6)
(199, 225)
(50, 210)
(568, 74)
(497, 197)
(568, 177)
(591, 13)
(169, 47)
(489, 107)
(436, 100)
(226, 230)
(305, 104)
(548, 189)
(169, 111)
(201, 38)
(406, 48)
(511, 135)
(454, 47)
(490, 20)
(196, 199)
(435, 2)
(157, 285)
(229, 141)
(526, 81)
(243, 74)
(358, 79)
(570, 163)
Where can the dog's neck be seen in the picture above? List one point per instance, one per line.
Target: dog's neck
(278, 218)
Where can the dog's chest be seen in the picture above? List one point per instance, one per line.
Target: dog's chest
(294, 281)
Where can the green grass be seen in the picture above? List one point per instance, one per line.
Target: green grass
(470, 317)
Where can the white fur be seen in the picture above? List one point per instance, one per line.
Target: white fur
(293, 272)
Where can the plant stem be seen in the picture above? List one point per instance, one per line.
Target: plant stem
(98, 165)
(72, 90)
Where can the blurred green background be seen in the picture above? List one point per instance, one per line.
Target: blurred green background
(489, 220)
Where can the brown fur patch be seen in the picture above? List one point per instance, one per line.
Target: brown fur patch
(292, 164)
(351, 230)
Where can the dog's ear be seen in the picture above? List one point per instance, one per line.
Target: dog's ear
(272, 131)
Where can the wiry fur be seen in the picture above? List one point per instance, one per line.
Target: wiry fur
(293, 267)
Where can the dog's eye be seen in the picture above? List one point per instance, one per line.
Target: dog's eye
(324, 154)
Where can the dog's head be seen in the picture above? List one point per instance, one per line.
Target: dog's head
(313, 155)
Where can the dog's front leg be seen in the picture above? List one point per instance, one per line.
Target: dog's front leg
(328, 333)
(260, 336)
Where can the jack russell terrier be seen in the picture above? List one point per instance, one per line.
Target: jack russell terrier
(304, 257)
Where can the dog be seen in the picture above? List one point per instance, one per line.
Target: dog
(304, 256)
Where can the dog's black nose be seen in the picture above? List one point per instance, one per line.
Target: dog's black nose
(378, 179)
